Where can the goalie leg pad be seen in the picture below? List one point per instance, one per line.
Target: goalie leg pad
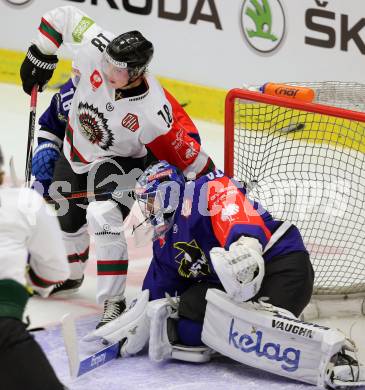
(132, 325)
(266, 337)
(160, 312)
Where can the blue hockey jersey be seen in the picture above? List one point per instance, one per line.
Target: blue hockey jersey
(213, 212)
(54, 120)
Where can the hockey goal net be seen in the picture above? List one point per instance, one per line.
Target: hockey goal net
(304, 162)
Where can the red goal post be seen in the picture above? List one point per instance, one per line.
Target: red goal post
(305, 162)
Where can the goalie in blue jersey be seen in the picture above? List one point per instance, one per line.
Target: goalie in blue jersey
(226, 277)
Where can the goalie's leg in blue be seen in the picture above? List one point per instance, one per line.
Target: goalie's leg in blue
(192, 303)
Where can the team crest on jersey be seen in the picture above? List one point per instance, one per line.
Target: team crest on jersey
(96, 80)
(130, 121)
(191, 259)
(94, 126)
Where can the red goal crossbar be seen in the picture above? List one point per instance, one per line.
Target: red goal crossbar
(258, 97)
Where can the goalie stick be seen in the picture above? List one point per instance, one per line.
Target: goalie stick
(80, 367)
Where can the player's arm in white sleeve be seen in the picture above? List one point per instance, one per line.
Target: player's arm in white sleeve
(48, 259)
(64, 25)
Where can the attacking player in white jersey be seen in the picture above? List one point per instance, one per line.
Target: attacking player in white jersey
(117, 112)
(32, 254)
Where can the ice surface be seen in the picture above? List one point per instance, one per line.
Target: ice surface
(138, 372)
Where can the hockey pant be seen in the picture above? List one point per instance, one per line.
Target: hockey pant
(101, 219)
(288, 283)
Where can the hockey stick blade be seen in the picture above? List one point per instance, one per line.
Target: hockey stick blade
(80, 367)
(292, 127)
(99, 358)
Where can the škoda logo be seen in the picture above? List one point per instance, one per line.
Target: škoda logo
(263, 24)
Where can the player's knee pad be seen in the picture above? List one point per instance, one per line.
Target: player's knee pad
(105, 222)
(263, 336)
(163, 337)
(132, 327)
(104, 218)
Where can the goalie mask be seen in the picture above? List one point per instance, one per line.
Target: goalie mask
(158, 192)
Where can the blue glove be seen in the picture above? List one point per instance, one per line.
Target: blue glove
(43, 163)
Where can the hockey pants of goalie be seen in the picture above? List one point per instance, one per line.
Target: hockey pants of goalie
(288, 283)
(22, 361)
(100, 218)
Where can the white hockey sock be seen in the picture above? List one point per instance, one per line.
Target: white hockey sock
(105, 226)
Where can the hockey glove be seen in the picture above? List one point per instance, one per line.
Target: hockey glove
(37, 68)
(43, 163)
(240, 269)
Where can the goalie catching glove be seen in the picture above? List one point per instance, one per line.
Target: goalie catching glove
(241, 268)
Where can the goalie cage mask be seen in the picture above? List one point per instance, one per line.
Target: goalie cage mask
(158, 192)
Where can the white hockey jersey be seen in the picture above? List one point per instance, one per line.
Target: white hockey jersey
(101, 124)
(30, 229)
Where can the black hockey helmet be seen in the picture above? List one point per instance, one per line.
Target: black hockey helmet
(130, 50)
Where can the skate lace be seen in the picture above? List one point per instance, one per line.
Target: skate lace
(111, 311)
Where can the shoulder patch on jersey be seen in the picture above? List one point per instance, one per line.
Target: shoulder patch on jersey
(96, 80)
(79, 31)
(130, 122)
